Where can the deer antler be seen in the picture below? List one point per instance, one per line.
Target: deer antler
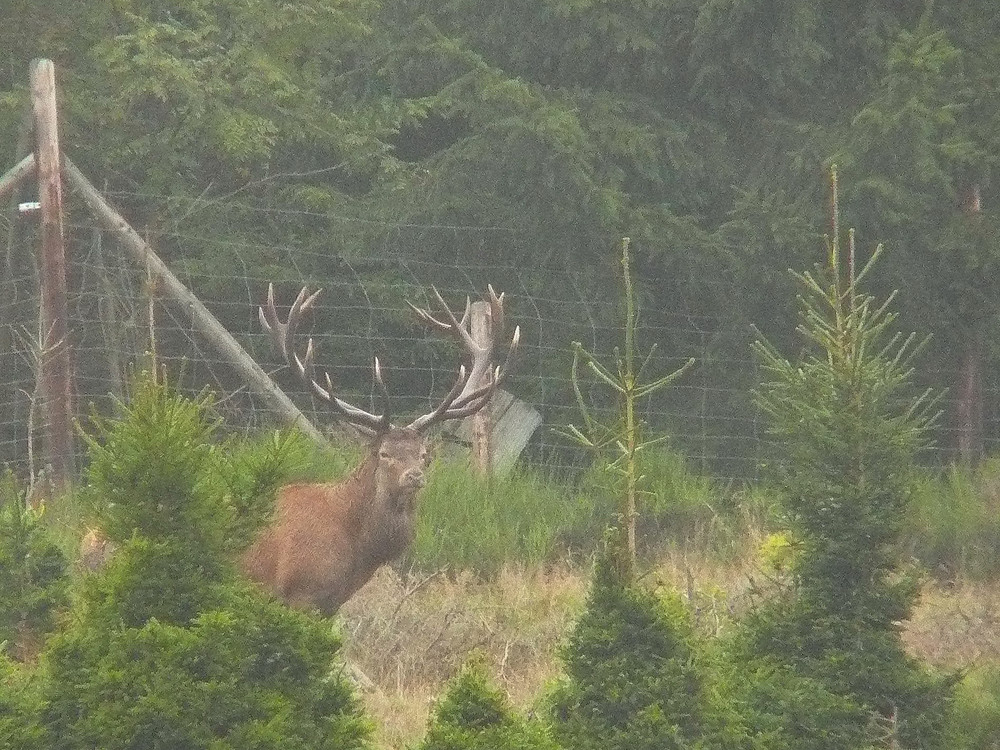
(474, 386)
(283, 334)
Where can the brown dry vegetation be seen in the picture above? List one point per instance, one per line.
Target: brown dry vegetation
(956, 626)
(410, 633)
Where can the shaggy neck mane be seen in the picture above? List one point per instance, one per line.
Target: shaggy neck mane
(365, 471)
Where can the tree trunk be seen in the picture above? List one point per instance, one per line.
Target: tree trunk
(969, 409)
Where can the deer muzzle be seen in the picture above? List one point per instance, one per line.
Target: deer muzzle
(413, 479)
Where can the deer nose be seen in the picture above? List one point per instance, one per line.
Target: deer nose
(414, 478)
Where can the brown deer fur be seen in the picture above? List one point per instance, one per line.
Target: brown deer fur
(95, 550)
(327, 540)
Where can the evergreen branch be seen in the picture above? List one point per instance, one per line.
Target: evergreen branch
(588, 420)
(656, 385)
(574, 433)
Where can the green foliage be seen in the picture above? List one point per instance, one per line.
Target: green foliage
(167, 647)
(189, 87)
(746, 54)
(162, 499)
(246, 472)
(849, 431)
(475, 715)
(766, 704)
(20, 708)
(857, 669)
(467, 521)
(849, 441)
(976, 714)
(207, 493)
(922, 148)
(907, 138)
(33, 572)
(952, 524)
(246, 673)
(288, 138)
(633, 679)
(531, 516)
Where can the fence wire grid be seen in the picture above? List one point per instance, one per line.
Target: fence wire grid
(120, 321)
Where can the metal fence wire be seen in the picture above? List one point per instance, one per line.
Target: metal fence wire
(121, 322)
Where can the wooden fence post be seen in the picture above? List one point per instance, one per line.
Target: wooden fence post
(54, 361)
(481, 330)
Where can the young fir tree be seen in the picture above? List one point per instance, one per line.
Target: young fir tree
(622, 439)
(850, 432)
(34, 588)
(475, 715)
(167, 648)
(632, 676)
(33, 575)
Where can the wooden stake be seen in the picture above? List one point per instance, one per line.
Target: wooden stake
(56, 374)
(481, 330)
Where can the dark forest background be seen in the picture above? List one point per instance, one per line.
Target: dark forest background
(389, 145)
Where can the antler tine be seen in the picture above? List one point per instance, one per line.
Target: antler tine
(474, 386)
(496, 310)
(452, 324)
(303, 302)
(429, 319)
(377, 377)
(426, 420)
(282, 336)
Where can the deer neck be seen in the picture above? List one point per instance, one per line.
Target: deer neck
(385, 516)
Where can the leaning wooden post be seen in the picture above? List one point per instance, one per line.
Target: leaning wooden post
(481, 330)
(197, 313)
(11, 179)
(54, 362)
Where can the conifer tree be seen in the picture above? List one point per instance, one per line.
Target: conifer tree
(166, 647)
(633, 680)
(849, 430)
(923, 149)
(33, 574)
(475, 715)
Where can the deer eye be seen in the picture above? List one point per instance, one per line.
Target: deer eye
(384, 455)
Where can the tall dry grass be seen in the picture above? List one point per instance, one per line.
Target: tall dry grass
(409, 633)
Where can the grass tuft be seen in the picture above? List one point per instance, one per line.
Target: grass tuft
(953, 522)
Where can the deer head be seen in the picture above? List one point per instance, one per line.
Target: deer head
(327, 540)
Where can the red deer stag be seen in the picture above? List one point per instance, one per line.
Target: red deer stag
(326, 540)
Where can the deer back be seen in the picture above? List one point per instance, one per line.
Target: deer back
(326, 540)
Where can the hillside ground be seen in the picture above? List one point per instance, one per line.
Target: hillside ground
(410, 633)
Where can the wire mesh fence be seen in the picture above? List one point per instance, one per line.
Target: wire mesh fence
(121, 321)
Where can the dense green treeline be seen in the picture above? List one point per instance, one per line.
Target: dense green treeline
(702, 129)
